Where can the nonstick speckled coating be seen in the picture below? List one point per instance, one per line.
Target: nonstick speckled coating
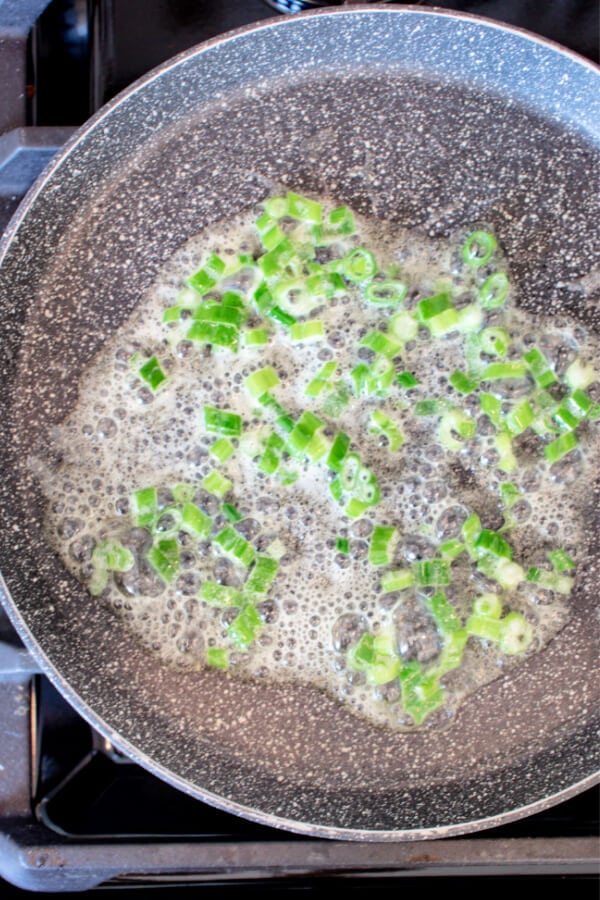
(428, 119)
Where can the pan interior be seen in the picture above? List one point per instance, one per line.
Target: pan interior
(411, 148)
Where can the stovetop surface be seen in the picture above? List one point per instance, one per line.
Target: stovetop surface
(78, 55)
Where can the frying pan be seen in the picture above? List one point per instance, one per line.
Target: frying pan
(429, 119)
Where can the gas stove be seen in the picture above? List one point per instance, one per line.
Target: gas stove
(76, 814)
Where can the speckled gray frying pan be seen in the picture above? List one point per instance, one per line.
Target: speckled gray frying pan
(432, 120)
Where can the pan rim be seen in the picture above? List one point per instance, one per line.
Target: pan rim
(22, 628)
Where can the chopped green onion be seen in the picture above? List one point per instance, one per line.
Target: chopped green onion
(262, 575)
(163, 556)
(432, 307)
(208, 276)
(342, 545)
(421, 693)
(306, 331)
(231, 513)
(552, 581)
(216, 333)
(561, 561)
(461, 382)
(245, 627)
(494, 291)
(516, 634)
(359, 265)
(303, 209)
(386, 293)
(451, 549)
(214, 312)
(382, 423)
(217, 658)
(379, 376)
(558, 448)
(144, 506)
(430, 407)
(455, 421)
(220, 594)
(520, 418)
(222, 421)
(397, 580)
(497, 371)
(338, 452)
(580, 375)
(407, 380)
(494, 341)
(443, 613)
(279, 315)
(507, 461)
(382, 538)
(318, 384)
(539, 368)
(403, 326)
(491, 542)
(506, 573)
(194, 521)
(261, 381)
(478, 248)
(235, 546)
(488, 605)
(303, 432)
(152, 373)
(432, 572)
(216, 484)
(381, 343)
(509, 494)
(222, 449)
(113, 556)
(256, 337)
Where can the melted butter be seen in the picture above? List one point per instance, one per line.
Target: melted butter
(120, 437)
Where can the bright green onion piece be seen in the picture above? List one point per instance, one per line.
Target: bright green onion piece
(451, 549)
(222, 449)
(217, 657)
(338, 452)
(235, 546)
(172, 314)
(261, 381)
(520, 418)
(275, 260)
(478, 248)
(381, 343)
(269, 231)
(433, 306)
(245, 627)
(261, 577)
(144, 506)
(221, 421)
(494, 291)
(455, 422)
(231, 513)
(303, 432)
(216, 333)
(432, 572)
(214, 312)
(386, 293)
(317, 447)
(397, 580)
(380, 545)
(558, 448)
(497, 371)
(509, 494)
(443, 613)
(376, 656)
(217, 484)
(382, 423)
(220, 594)
(307, 331)
(579, 404)
(342, 545)
(279, 315)
(336, 489)
(565, 418)
(421, 694)
(343, 219)
(561, 561)
(539, 368)
(359, 265)
(407, 380)
(580, 375)
(491, 542)
(208, 276)
(303, 209)
(194, 521)
(355, 508)
(152, 373)
(461, 382)
(163, 556)
(256, 337)
(516, 634)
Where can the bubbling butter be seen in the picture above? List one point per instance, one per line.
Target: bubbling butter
(121, 437)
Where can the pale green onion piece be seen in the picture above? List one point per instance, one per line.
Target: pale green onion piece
(195, 521)
(143, 505)
(488, 605)
(235, 546)
(386, 293)
(220, 594)
(217, 484)
(208, 276)
(359, 265)
(303, 209)
(403, 326)
(380, 547)
(432, 572)
(397, 580)
(245, 627)
(455, 422)
(478, 248)
(507, 461)
(580, 375)
(520, 417)
(222, 449)
(501, 370)
(494, 341)
(217, 657)
(451, 549)
(261, 381)
(506, 573)
(470, 318)
(307, 331)
(383, 424)
(494, 291)
(113, 556)
(558, 448)
(262, 575)
(561, 561)
(381, 343)
(163, 556)
(256, 337)
(509, 494)
(516, 635)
